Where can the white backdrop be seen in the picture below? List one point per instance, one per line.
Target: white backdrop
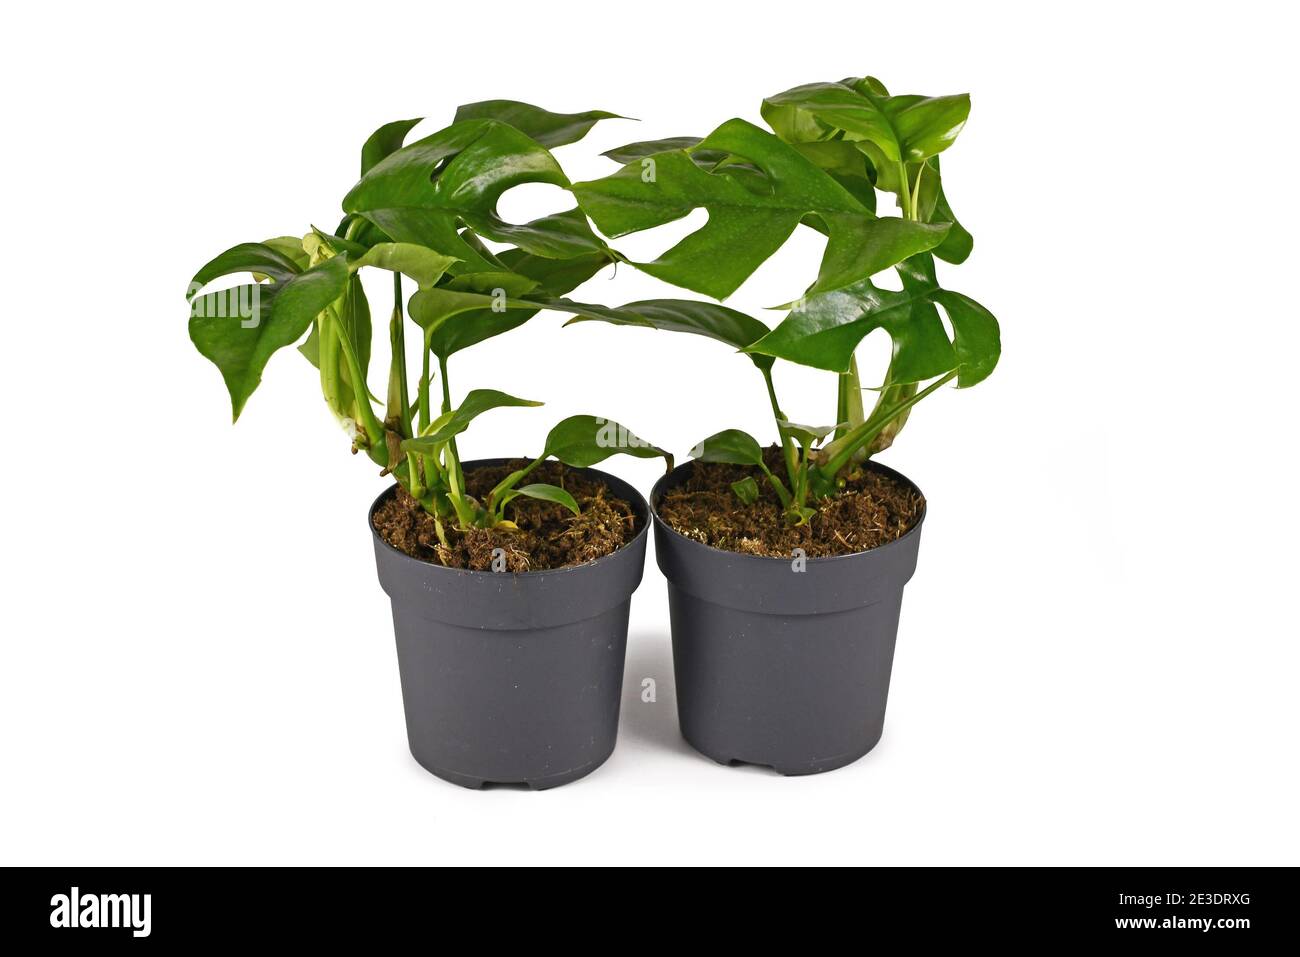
(1097, 661)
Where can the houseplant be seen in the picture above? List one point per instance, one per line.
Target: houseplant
(785, 661)
(510, 581)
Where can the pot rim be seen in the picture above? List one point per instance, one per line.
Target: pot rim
(639, 503)
(656, 492)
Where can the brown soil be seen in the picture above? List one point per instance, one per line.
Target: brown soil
(549, 535)
(872, 510)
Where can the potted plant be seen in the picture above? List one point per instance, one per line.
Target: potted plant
(786, 566)
(510, 581)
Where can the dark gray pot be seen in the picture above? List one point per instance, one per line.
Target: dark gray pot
(512, 678)
(777, 667)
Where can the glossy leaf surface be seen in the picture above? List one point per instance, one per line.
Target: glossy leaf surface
(581, 441)
(745, 225)
(456, 421)
(824, 330)
(546, 493)
(730, 446)
(547, 128)
(240, 345)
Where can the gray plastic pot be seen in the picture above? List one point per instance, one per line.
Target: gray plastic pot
(513, 678)
(779, 667)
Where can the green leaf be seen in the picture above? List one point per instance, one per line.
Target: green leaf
(529, 274)
(383, 141)
(259, 258)
(823, 331)
(746, 490)
(240, 345)
(355, 326)
(291, 248)
(546, 493)
(432, 308)
(976, 337)
(904, 128)
(881, 243)
(581, 441)
(510, 283)
(640, 150)
(683, 315)
(558, 236)
(807, 435)
(453, 423)
(423, 192)
(419, 262)
(745, 226)
(554, 277)
(957, 245)
(730, 446)
(547, 128)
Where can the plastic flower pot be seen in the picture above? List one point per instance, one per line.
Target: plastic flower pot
(513, 678)
(780, 662)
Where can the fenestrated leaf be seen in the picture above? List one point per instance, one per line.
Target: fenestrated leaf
(546, 493)
(451, 424)
(257, 258)
(583, 440)
(824, 330)
(557, 236)
(957, 245)
(976, 336)
(475, 162)
(547, 128)
(383, 141)
(240, 346)
(882, 243)
(745, 226)
(730, 446)
(421, 263)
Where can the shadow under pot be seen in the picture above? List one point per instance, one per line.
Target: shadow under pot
(774, 666)
(513, 678)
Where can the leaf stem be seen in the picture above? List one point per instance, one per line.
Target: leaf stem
(905, 191)
(787, 443)
(841, 450)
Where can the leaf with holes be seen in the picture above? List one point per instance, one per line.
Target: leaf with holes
(824, 330)
(745, 225)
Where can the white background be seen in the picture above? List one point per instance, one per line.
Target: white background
(1097, 662)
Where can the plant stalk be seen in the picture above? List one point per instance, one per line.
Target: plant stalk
(840, 452)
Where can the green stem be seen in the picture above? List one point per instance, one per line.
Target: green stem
(507, 483)
(905, 191)
(423, 399)
(787, 443)
(841, 450)
(455, 477)
(374, 429)
(781, 492)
